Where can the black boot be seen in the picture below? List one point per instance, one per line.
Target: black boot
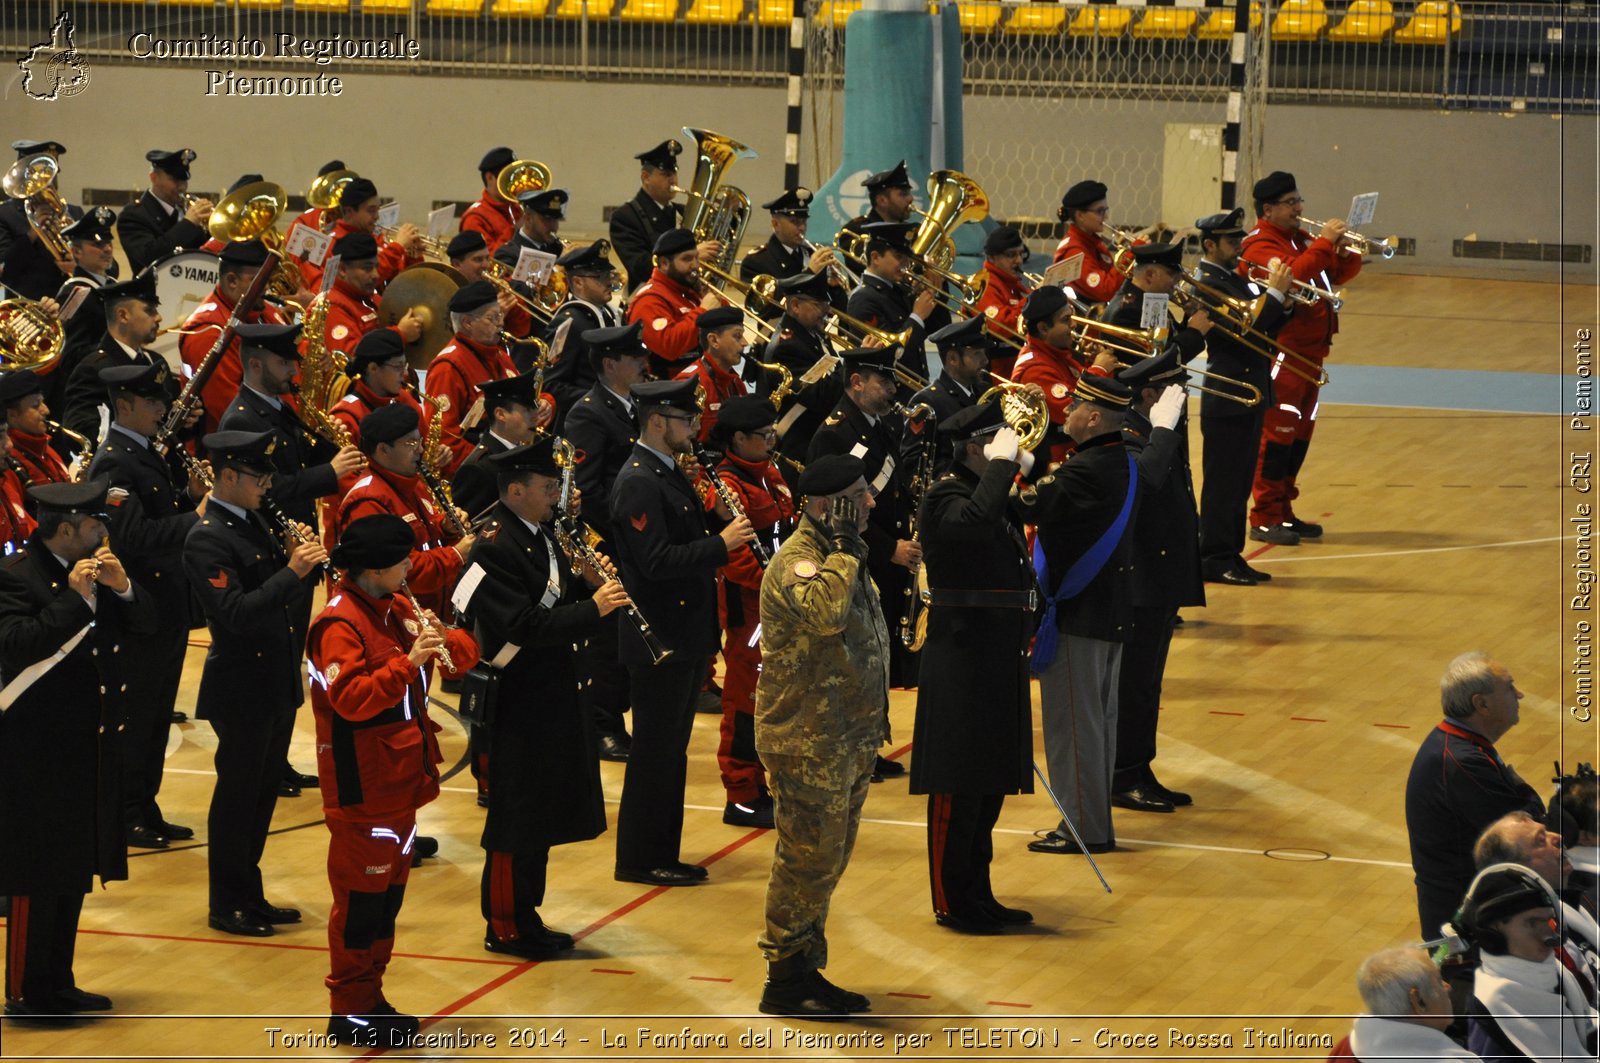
(791, 991)
(843, 999)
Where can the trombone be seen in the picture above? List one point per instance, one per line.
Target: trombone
(1361, 245)
(749, 296)
(1151, 339)
(496, 273)
(838, 322)
(1302, 292)
(1233, 316)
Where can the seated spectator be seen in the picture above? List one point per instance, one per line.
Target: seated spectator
(1525, 1004)
(1577, 804)
(1408, 1008)
(1459, 784)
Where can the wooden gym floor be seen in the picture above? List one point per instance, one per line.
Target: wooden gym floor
(1291, 712)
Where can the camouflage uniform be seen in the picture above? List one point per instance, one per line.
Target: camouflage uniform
(819, 722)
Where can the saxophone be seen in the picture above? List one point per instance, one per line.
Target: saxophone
(315, 378)
(428, 467)
(785, 382)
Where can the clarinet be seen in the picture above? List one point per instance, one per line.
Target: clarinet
(441, 498)
(708, 462)
(290, 530)
(443, 652)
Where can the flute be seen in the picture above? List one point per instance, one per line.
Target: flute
(443, 651)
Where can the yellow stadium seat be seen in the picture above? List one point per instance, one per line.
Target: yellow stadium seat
(322, 5)
(259, 4)
(1365, 21)
(714, 12)
(1038, 18)
(1100, 22)
(1167, 23)
(599, 10)
(648, 11)
(1432, 22)
(187, 3)
(774, 12)
(837, 12)
(980, 18)
(1299, 20)
(1219, 26)
(384, 7)
(455, 8)
(520, 8)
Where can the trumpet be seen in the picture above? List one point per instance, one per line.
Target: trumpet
(443, 652)
(1233, 316)
(1302, 292)
(837, 268)
(1361, 245)
(431, 245)
(541, 306)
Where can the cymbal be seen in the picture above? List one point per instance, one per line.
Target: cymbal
(426, 288)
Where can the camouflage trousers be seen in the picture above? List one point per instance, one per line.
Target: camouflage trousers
(818, 808)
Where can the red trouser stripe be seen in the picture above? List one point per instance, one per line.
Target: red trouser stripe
(938, 838)
(502, 897)
(17, 945)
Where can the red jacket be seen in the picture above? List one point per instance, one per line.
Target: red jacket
(40, 463)
(210, 317)
(392, 258)
(351, 315)
(769, 505)
(1057, 372)
(497, 221)
(1309, 330)
(1005, 293)
(361, 401)
(377, 754)
(435, 564)
(669, 311)
(454, 375)
(1100, 279)
(15, 523)
(719, 384)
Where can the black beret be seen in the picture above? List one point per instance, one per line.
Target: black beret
(175, 163)
(243, 253)
(1228, 223)
(743, 413)
(355, 247)
(1043, 303)
(1002, 239)
(590, 260)
(538, 456)
(357, 192)
(522, 389)
(621, 341)
(895, 235)
(141, 287)
(894, 177)
(464, 243)
(806, 283)
(495, 160)
(1103, 391)
(379, 345)
(830, 474)
(551, 202)
(330, 166)
(275, 339)
(673, 242)
(1168, 255)
(147, 380)
(18, 384)
(719, 317)
(470, 297)
(963, 332)
(388, 423)
(94, 225)
(246, 179)
(1156, 371)
(24, 148)
(249, 450)
(870, 360)
(796, 203)
(380, 540)
(1082, 194)
(970, 422)
(1275, 185)
(676, 393)
(86, 499)
(664, 156)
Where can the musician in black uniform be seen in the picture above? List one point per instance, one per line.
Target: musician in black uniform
(65, 602)
(786, 252)
(511, 420)
(590, 282)
(94, 267)
(889, 192)
(1166, 573)
(964, 348)
(974, 722)
(149, 525)
(547, 786)
(133, 318)
(865, 426)
(1156, 270)
(640, 222)
(159, 223)
(669, 558)
(256, 596)
(800, 344)
(884, 302)
(27, 267)
(542, 213)
(604, 427)
(1231, 430)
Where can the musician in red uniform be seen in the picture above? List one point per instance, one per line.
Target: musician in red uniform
(378, 374)
(1004, 292)
(391, 438)
(312, 216)
(1286, 434)
(1083, 208)
(28, 422)
(238, 264)
(16, 523)
(721, 349)
(745, 432)
(378, 760)
(670, 301)
(353, 300)
(491, 217)
(358, 213)
(473, 356)
(1050, 359)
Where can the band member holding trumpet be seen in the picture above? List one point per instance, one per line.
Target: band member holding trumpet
(1323, 261)
(669, 558)
(671, 301)
(158, 503)
(722, 369)
(166, 218)
(353, 300)
(65, 602)
(529, 608)
(238, 263)
(358, 213)
(256, 593)
(786, 252)
(1004, 290)
(1083, 208)
(28, 265)
(491, 217)
(378, 760)
(1232, 430)
(591, 280)
(650, 214)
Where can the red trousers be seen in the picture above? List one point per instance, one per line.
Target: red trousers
(368, 864)
(1285, 437)
(743, 777)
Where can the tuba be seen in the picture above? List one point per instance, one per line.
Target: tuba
(30, 180)
(716, 211)
(953, 200)
(325, 192)
(251, 212)
(519, 176)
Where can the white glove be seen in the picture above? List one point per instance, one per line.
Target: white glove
(1025, 459)
(1003, 446)
(1168, 409)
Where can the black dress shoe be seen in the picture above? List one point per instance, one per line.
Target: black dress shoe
(30, 1012)
(556, 939)
(611, 748)
(528, 949)
(172, 832)
(693, 869)
(1140, 799)
(299, 778)
(1256, 574)
(1177, 797)
(243, 923)
(970, 923)
(1305, 529)
(1011, 916)
(758, 813)
(1062, 845)
(275, 916)
(483, 799)
(76, 999)
(288, 789)
(142, 837)
(658, 876)
(1236, 577)
(407, 1025)
(179, 716)
(883, 768)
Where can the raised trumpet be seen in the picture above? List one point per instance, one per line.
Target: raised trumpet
(1302, 292)
(1361, 245)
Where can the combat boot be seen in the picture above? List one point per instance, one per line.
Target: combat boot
(842, 998)
(792, 991)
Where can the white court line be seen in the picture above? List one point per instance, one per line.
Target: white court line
(1313, 556)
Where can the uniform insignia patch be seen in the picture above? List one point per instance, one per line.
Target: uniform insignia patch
(339, 332)
(639, 522)
(805, 569)
(1093, 279)
(220, 580)
(659, 323)
(411, 629)
(1059, 391)
(333, 672)
(439, 402)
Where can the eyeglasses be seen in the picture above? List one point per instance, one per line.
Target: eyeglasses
(1102, 211)
(408, 444)
(1292, 201)
(680, 417)
(262, 480)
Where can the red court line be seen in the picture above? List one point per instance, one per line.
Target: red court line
(284, 945)
(897, 754)
(1220, 712)
(1394, 726)
(1257, 553)
(609, 970)
(910, 996)
(1007, 1004)
(1308, 719)
(707, 978)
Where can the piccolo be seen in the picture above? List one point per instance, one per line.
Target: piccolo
(443, 652)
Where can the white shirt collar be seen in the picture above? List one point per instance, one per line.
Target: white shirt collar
(142, 439)
(627, 403)
(668, 459)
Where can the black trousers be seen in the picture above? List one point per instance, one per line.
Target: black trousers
(250, 754)
(960, 849)
(153, 667)
(1231, 447)
(512, 890)
(650, 817)
(605, 681)
(1144, 661)
(41, 936)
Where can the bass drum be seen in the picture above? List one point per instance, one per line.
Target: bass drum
(183, 281)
